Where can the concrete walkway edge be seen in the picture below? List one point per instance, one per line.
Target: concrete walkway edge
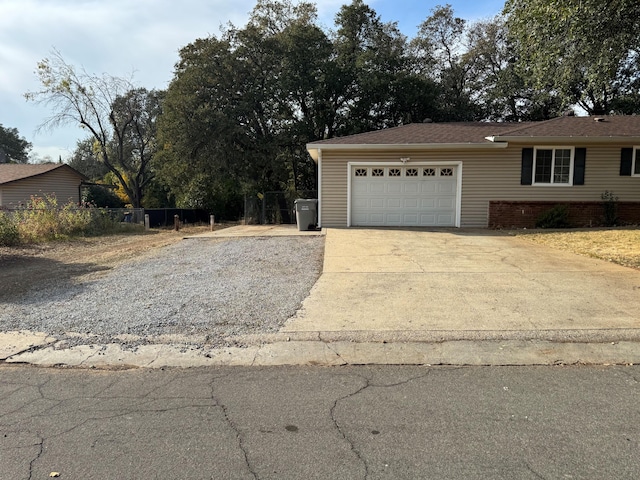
(336, 353)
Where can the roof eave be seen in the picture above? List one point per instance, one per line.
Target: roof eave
(565, 139)
(313, 149)
(82, 176)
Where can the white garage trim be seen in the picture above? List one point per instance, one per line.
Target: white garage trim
(319, 188)
(457, 165)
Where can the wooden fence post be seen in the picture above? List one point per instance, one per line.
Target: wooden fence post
(147, 222)
(212, 221)
(176, 222)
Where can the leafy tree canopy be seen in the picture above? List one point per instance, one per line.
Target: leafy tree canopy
(585, 50)
(13, 147)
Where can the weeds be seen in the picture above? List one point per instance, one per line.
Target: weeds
(9, 235)
(44, 220)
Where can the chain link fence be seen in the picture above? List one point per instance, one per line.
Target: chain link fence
(273, 208)
(123, 215)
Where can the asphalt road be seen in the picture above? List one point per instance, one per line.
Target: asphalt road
(395, 422)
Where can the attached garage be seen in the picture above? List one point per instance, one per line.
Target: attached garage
(412, 175)
(403, 195)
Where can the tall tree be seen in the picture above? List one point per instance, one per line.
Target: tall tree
(202, 128)
(497, 85)
(109, 108)
(138, 111)
(578, 48)
(378, 86)
(13, 147)
(439, 47)
(235, 110)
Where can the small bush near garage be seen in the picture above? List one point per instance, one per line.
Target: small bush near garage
(556, 217)
(610, 207)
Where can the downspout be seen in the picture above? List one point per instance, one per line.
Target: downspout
(319, 188)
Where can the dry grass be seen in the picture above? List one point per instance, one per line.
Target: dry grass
(617, 245)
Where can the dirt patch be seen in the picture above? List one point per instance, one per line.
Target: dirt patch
(25, 267)
(617, 245)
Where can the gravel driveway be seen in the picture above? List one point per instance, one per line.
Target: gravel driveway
(213, 287)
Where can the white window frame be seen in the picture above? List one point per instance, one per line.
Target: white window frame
(551, 183)
(634, 162)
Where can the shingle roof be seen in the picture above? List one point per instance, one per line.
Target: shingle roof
(478, 132)
(10, 172)
(423, 133)
(590, 127)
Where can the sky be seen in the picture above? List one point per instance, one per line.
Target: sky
(139, 38)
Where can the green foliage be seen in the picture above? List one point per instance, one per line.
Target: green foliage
(101, 197)
(242, 107)
(85, 159)
(586, 50)
(13, 147)
(556, 217)
(610, 208)
(440, 46)
(9, 235)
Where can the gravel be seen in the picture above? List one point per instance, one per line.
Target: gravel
(212, 288)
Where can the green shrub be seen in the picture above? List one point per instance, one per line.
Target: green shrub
(9, 235)
(556, 217)
(102, 221)
(610, 207)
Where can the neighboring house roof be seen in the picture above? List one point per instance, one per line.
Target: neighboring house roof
(10, 172)
(488, 134)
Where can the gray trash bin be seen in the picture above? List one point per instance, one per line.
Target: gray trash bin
(306, 213)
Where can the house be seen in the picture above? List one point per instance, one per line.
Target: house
(480, 174)
(19, 182)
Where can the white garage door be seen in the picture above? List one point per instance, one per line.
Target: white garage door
(420, 196)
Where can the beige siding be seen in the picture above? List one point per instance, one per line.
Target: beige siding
(489, 174)
(61, 182)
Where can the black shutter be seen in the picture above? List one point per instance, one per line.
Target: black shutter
(626, 162)
(579, 161)
(526, 176)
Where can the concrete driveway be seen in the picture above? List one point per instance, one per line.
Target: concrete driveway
(389, 280)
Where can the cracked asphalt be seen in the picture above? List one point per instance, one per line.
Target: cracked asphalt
(366, 422)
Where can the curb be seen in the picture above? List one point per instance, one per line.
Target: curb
(329, 353)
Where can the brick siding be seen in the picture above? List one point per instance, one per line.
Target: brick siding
(507, 214)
